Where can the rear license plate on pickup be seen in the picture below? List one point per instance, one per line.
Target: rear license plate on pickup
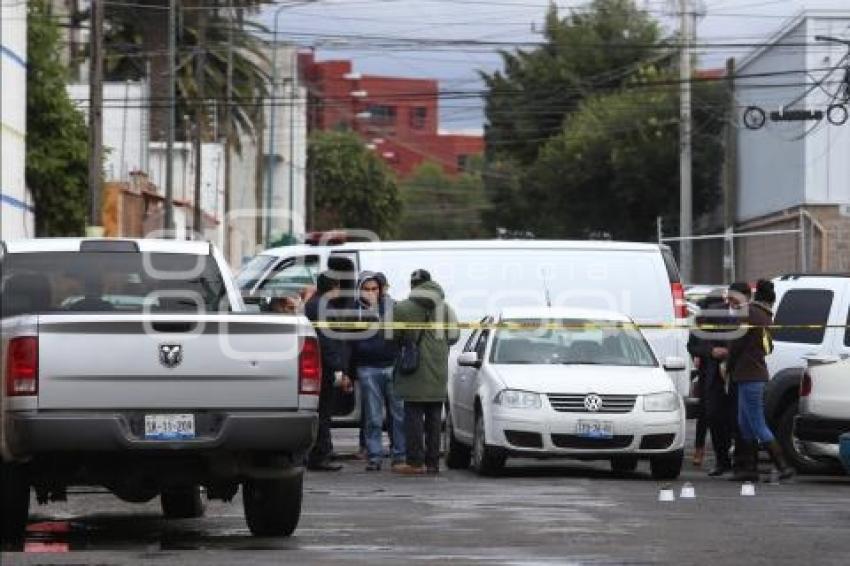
(595, 429)
(169, 427)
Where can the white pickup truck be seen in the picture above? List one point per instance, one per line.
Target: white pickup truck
(133, 364)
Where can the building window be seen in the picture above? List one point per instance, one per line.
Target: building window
(382, 114)
(418, 116)
(462, 162)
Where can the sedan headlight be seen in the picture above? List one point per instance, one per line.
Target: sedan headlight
(661, 402)
(513, 399)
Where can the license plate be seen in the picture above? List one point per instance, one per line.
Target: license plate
(595, 429)
(169, 427)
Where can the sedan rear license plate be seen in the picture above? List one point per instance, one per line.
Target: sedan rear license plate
(169, 427)
(595, 429)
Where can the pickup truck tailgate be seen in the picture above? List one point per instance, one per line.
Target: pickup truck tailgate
(132, 361)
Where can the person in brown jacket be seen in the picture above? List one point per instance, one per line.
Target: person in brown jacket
(748, 370)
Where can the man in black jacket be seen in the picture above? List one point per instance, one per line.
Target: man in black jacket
(335, 359)
(716, 395)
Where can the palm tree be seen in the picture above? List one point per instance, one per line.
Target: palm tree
(136, 46)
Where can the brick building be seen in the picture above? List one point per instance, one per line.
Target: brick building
(397, 117)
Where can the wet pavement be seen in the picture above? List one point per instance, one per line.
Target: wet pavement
(538, 513)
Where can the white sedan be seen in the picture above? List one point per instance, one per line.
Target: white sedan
(584, 385)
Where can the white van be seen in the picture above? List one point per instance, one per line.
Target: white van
(484, 276)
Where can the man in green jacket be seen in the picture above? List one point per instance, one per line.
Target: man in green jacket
(424, 390)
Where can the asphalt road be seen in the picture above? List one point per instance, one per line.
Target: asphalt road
(539, 513)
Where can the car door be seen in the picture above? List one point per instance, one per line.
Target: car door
(463, 392)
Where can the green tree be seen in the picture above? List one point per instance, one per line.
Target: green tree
(597, 48)
(57, 138)
(351, 187)
(615, 166)
(138, 34)
(440, 207)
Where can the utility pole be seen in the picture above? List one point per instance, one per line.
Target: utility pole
(200, 60)
(730, 175)
(228, 132)
(96, 118)
(686, 189)
(169, 144)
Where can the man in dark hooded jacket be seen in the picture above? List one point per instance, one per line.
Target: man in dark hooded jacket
(374, 356)
(335, 359)
(425, 390)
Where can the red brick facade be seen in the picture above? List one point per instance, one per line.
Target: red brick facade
(397, 117)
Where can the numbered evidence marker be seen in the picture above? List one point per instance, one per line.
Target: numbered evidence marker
(688, 491)
(748, 489)
(666, 494)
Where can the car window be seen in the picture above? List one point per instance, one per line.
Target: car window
(579, 342)
(481, 345)
(293, 274)
(473, 338)
(847, 330)
(53, 282)
(800, 307)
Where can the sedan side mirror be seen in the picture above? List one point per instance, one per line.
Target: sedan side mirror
(469, 359)
(675, 364)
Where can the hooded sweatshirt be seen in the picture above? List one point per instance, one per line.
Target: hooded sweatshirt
(427, 304)
(377, 349)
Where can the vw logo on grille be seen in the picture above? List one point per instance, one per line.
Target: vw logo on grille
(170, 355)
(593, 402)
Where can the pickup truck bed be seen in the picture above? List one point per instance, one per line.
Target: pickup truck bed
(133, 365)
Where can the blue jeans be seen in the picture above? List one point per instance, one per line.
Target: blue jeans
(376, 384)
(751, 412)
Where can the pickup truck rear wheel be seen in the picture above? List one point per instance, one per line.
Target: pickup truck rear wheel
(182, 503)
(14, 505)
(273, 507)
(793, 449)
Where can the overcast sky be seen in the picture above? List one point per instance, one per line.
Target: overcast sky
(738, 21)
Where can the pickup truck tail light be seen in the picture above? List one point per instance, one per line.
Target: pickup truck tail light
(22, 367)
(806, 385)
(309, 368)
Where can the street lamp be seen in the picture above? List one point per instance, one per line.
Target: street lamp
(273, 118)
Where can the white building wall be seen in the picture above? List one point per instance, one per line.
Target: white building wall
(788, 164)
(287, 149)
(772, 159)
(125, 126)
(16, 207)
(827, 164)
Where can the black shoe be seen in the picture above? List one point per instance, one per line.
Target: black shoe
(326, 466)
(374, 466)
(786, 472)
(719, 471)
(432, 471)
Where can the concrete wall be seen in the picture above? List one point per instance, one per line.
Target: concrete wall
(16, 207)
(125, 126)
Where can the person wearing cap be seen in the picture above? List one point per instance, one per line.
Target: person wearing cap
(335, 359)
(374, 357)
(424, 391)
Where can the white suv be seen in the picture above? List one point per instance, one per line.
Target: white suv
(811, 311)
(585, 385)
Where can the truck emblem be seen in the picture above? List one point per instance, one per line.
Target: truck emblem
(593, 403)
(170, 355)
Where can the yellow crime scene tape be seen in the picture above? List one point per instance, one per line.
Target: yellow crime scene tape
(359, 325)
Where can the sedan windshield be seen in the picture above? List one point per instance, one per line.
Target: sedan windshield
(572, 342)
